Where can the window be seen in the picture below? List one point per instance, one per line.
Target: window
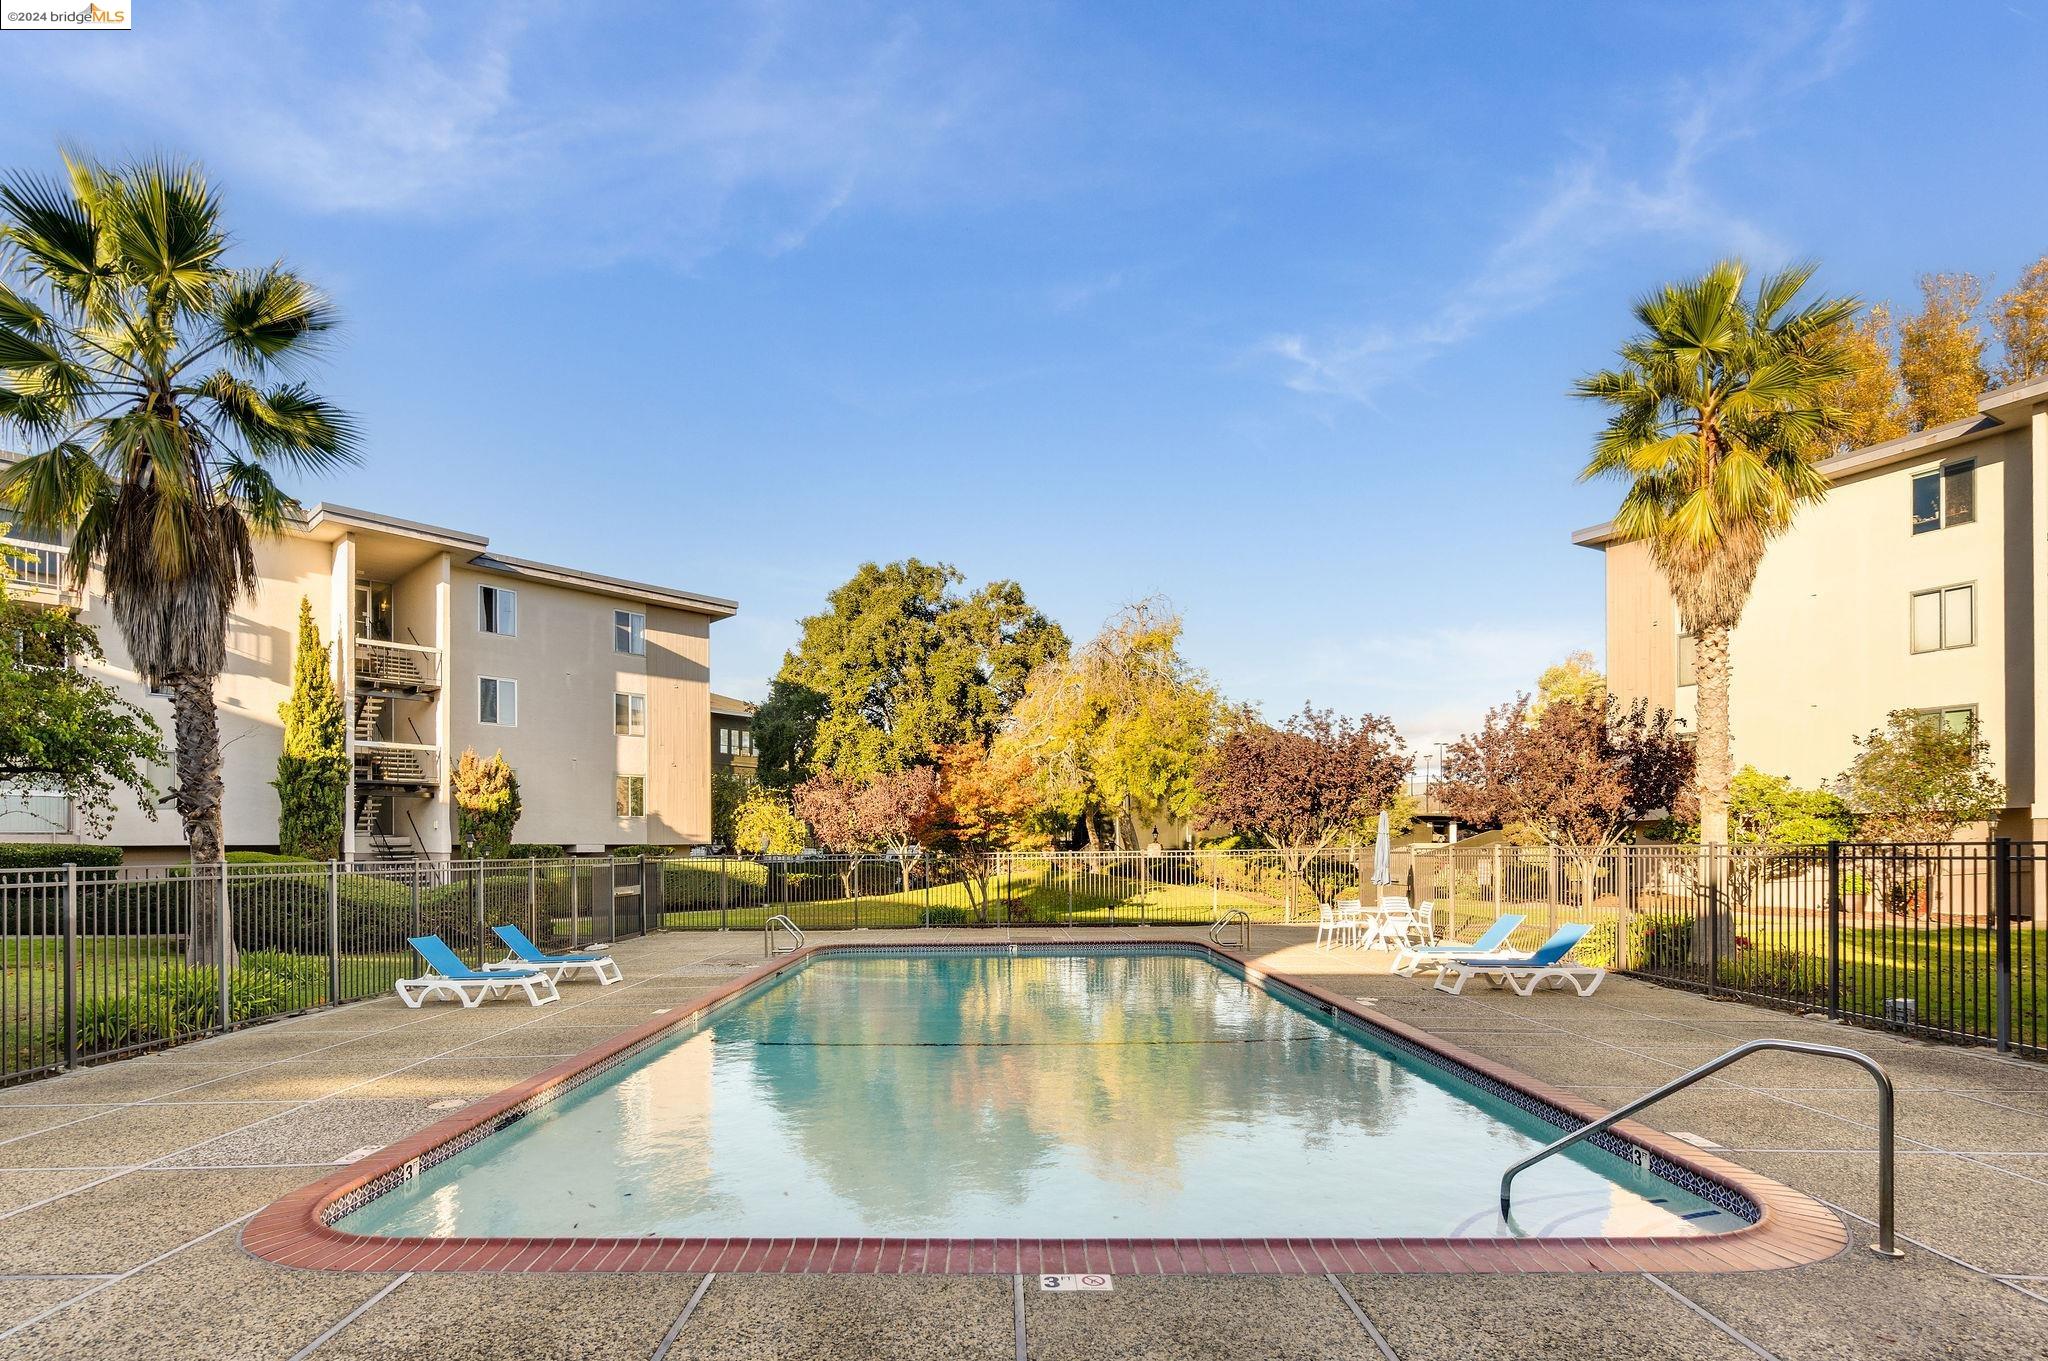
(629, 796)
(745, 738)
(1943, 497)
(1957, 718)
(1944, 618)
(629, 715)
(629, 632)
(1688, 659)
(725, 741)
(497, 610)
(497, 701)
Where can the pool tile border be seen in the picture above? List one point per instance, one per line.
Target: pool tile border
(1788, 1228)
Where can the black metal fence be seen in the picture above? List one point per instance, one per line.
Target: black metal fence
(98, 962)
(1948, 940)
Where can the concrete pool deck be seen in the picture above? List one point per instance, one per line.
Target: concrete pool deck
(124, 1189)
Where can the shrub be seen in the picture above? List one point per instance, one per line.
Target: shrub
(1662, 941)
(1599, 947)
(1776, 972)
(948, 916)
(109, 1023)
(535, 850)
(36, 855)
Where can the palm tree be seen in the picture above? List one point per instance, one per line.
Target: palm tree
(1720, 416)
(148, 383)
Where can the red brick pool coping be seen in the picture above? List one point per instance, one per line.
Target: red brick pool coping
(1792, 1229)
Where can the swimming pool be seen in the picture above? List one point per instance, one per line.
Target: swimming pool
(1049, 1094)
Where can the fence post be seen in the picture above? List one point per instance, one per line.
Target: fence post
(533, 900)
(572, 902)
(1070, 894)
(415, 897)
(646, 893)
(70, 965)
(479, 913)
(220, 940)
(724, 874)
(1713, 856)
(2001, 903)
(334, 933)
(1834, 930)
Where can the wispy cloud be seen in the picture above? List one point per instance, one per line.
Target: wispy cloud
(770, 122)
(1593, 201)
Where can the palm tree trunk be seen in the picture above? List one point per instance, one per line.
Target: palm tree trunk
(1712, 772)
(198, 797)
(1713, 752)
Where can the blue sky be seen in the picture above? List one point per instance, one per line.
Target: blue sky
(1271, 309)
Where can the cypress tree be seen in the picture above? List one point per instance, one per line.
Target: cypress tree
(312, 772)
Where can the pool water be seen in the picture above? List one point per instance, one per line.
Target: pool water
(1047, 1093)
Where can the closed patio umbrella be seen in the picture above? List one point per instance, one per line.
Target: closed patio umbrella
(1382, 853)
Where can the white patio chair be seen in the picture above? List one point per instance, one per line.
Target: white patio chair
(1334, 929)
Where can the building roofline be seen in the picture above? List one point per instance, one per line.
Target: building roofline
(573, 578)
(1997, 408)
(730, 707)
(349, 517)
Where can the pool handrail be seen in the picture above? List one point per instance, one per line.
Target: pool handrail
(780, 921)
(1239, 918)
(1885, 1245)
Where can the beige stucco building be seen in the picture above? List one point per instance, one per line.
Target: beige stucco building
(1920, 582)
(596, 689)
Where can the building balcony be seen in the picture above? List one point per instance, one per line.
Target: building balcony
(36, 571)
(397, 668)
(398, 766)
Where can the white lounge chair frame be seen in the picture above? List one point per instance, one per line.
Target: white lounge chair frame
(1519, 977)
(604, 969)
(471, 992)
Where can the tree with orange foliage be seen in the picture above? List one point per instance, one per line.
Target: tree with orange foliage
(987, 804)
(1941, 351)
(2020, 317)
(1873, 410)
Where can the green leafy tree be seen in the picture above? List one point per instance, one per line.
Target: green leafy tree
(1919, 779)
(765, 824)
(146, 381)
(1120, 726)
(312, 770)
(1720, 413)
(487, 805)
(62, 729)
(898, 666)
(1771, 821)
(1576, 678)
(729, 790)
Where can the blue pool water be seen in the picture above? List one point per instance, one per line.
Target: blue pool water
(1043, 1094)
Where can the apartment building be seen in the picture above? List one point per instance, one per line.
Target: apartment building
(1920, 582)
(596, 689)
(732, 736)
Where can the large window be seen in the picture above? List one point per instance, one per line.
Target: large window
(629, 796)
(629, 632)
(1958, 718)
(725, 741)
(1944, 618)
(497, 610)
(629, 715)
(1945, 496)
(497, 701)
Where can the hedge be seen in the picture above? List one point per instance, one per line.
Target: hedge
(36, 855)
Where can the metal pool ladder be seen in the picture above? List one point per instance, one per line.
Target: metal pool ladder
(1238, 918)
(780, 921)
(1884, 1247)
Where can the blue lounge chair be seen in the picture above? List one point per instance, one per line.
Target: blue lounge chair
(1417, 957)
(448, 976)
(1522, 974)
(526, 955)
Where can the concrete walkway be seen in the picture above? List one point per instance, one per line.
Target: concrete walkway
(123, 1190)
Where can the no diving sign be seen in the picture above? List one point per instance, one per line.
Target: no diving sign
(1088, 1281)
